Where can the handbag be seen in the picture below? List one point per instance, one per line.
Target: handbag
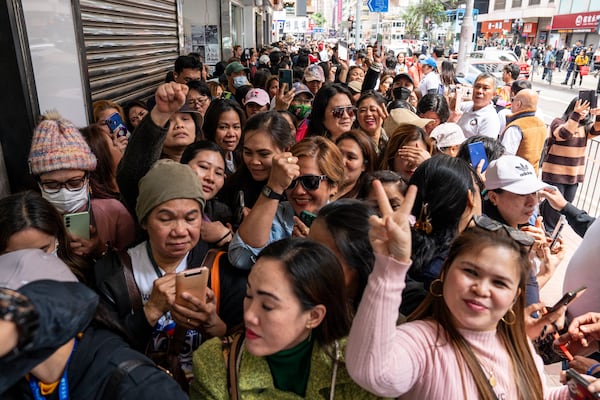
(584, 70)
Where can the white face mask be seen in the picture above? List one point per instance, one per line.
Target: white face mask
(66, 201)
(240, 81)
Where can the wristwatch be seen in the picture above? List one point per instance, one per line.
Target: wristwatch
(270, 194)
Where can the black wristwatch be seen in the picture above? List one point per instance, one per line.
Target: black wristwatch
(270, 194)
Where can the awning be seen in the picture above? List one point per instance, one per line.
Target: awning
(585, 21)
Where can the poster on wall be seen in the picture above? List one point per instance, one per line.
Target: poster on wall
(205, 42)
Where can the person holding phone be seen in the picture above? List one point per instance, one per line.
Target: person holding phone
(511, 198)
(564, 163)
(295, 324)
(471, 325)
(139, 285)
(309, 176)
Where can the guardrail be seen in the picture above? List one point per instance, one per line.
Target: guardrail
(588, 194)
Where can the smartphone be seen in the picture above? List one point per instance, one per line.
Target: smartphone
(117, 126)
(567, 298)
(78, 224)
(589, 96)
(307, 218)
(463, 93)
(477, 153)
(192, 281)
(557, 230)
(286, 76)
(342, 50)
(577, 385)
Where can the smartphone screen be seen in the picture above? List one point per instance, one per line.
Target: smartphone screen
(577, 385)
(477, 153)
(117, 126)
(589, 96)
(342, 50)
(78, 224)
(286, 76)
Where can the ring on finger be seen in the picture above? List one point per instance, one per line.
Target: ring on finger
(189, 320)
(289, 160)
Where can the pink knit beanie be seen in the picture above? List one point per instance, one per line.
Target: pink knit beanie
(57, 144)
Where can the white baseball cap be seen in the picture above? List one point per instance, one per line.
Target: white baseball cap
(513, 174)
(448, 134)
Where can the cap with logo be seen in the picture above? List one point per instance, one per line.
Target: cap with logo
(447, 134)
(314, 73)
(300, 88)
(258, 96)
(513, 174)
(429, 61)
(234, 67)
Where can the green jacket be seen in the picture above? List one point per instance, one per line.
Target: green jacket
(255, 381)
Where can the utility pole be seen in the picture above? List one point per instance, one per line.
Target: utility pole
(358, 24)
(466, 32)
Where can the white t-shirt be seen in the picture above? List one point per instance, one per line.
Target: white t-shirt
(431, 81)
(145, 275)
(481, 122)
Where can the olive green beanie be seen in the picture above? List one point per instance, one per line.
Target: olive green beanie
(167, 180)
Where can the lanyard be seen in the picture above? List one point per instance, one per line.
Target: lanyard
(63, 386)
(154, 265)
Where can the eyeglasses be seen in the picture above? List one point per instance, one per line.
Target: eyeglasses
(308, 182)
(72, 185)
(338, 112)
(492, 225)
(199, 101)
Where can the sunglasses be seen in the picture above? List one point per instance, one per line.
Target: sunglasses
(492, 225)
(338, 112)
(308, 182)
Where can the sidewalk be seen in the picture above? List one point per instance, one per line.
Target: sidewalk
(589, 82)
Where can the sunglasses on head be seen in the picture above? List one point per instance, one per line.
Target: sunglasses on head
(338, 112)
(308, 182)
(492, 225)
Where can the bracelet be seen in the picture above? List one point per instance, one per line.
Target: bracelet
(227, 234)
(598, 118)
(575, 116)
(592, 368)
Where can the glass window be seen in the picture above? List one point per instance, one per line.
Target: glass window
(500, 5)
(534, 2)
(516, 3)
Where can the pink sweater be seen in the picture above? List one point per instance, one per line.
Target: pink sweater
(410, 360)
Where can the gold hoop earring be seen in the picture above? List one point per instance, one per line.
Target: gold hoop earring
(437, 288)
(511, 320)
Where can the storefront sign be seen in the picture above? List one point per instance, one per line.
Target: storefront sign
(529, 28)
(495, 26)
(586, 22)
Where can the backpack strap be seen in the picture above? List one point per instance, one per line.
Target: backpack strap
(232, 352)
(135, 297)
(111, 390)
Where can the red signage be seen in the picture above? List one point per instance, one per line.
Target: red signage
(530, 28)
(495, 26)
(576, 21)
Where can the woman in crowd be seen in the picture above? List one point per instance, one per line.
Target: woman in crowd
(223, 124)
(164, 133)
(447, 198)
(198, 97)
(103, 180)
(406, 150)
(343, 227)
(102, 110)
(511, 198)
(216, 89)
(448, 76)
(30, 222)
(472, 324)
(385, 83)
(309, 177)
(435, 107)
(358, 152)
(401, 66)
(295, 321)
(355, 73)
(135, 111)
(371, 113)
(332, 112)
(272, 86)
(61, 162)
(265, 135)
(139, 285)
(564, 163)
(393, 185)
(208, 162)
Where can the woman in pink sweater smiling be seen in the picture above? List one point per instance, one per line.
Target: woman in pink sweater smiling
(467, 340)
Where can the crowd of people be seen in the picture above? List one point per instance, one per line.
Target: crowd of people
(374, 227)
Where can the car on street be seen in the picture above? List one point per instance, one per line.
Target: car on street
(492, 53)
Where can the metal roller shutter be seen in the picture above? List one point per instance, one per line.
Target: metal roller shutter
(130, 46)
